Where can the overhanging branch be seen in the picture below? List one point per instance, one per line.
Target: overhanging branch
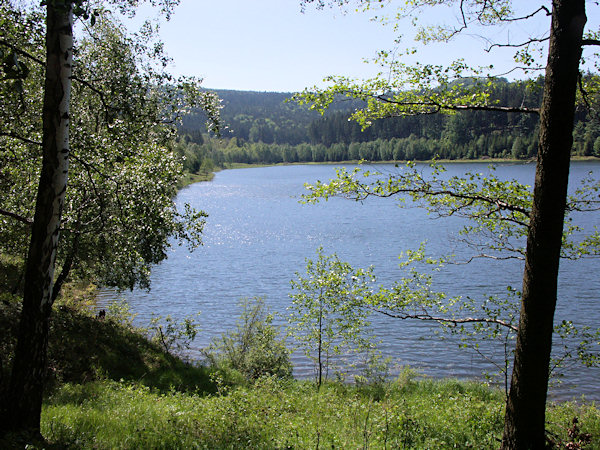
(445, 320)
(437, 106)
(21, 52)
(586, 42)
(423, 191)
(528, 16)
(19, 137)
(22, 219)
(522, 44)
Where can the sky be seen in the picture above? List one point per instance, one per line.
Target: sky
(270, 45)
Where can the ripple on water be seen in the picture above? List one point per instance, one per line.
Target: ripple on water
(257, 236)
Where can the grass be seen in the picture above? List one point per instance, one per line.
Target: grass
(113, 389)
(272, 415)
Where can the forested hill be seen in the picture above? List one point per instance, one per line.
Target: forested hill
(268, 117)
(265, 127)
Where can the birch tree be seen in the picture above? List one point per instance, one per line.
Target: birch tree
(24, 405)
(109, 134)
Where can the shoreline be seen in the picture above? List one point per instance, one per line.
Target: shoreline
(191, 178)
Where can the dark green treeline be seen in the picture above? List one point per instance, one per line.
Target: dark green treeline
(264, 128)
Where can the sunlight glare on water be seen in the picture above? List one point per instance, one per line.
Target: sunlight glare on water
(258, 235)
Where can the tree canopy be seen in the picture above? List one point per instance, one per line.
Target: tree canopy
(119, 211)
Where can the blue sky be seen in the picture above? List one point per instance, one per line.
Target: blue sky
(269, 45)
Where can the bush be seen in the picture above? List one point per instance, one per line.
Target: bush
(174, 337)
(254, 347)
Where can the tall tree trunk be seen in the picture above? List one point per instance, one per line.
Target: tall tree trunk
(524, 424)
(24, 404)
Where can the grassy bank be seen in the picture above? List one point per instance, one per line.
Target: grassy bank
(83, 348)
(191, 178)
(112, 388)
(271, 414)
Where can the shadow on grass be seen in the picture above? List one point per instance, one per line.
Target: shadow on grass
(84, 348)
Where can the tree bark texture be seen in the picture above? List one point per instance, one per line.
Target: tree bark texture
(524, 425)
(24, 402)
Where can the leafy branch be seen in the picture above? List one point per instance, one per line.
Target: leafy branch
(20, 138)
(426, 316)
(499, 209)
(18, 217)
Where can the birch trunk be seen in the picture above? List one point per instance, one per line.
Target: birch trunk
(24, 403)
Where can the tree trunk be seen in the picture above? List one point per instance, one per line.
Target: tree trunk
(67, 266)
(24, 403)
(320, 346)
(524, 424)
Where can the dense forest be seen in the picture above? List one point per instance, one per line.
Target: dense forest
(269, 127)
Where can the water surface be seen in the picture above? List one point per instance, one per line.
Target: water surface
(258, 236)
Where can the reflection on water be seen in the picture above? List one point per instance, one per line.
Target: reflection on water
(258, 236)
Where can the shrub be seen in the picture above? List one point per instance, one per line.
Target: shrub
(254, 347)
(173, 336)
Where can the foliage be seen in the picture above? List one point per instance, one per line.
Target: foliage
(173, 336)
(270, 414)
(119, 312)
(327, 317)
(254, 347)
(119, 212)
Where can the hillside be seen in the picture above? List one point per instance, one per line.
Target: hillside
(266, 127)
(268, 117)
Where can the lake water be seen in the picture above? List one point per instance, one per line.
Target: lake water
(258, 235)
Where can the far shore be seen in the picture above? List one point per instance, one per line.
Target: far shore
(191, 178)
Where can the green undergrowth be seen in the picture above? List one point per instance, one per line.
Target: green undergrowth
(111, 388)
(83, 348)
(11, 275)
(274, 414)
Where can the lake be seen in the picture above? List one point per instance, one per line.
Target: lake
(258, 235)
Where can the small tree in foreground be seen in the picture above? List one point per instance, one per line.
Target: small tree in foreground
(173, 336)
(327, 315)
